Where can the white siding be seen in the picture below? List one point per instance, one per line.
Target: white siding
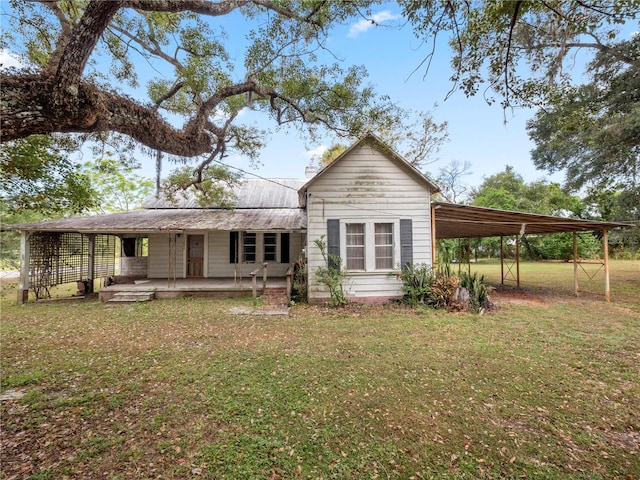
(367, 187)
(216, 256)
(159, 255)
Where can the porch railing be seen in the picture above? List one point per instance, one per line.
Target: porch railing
(253, 274)
(289, 275)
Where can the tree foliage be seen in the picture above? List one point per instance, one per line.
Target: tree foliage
(77, 52)
(117, 188)
(521, 50)
(36, 175)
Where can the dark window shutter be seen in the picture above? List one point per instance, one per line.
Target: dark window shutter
(284, 248)
(406, 242)
(333, 241)
(233, 247)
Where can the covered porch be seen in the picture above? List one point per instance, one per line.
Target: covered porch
(200, 287)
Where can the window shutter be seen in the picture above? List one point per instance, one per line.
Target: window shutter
(284, 248)
(233, 247)
(333, 241)
(406, 242)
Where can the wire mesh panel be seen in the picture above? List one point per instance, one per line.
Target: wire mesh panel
(58, 258)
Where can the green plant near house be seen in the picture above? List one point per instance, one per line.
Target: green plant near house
(416, 283)
(478, 294)
(332, 276)
(299, 293)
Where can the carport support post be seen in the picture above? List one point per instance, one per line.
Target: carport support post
(518, 261)
(91, 266)
(434, 239)
(576, 288)
(501, 259)
(25, 259)
(605, 241)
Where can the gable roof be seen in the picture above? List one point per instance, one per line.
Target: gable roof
(248, 193)
(377, 144)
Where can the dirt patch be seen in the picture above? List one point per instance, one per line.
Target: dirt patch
(506, 295)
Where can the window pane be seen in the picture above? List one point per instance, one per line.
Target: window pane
(248, 247)
(355, 246)
(384, 245)
(270, 244)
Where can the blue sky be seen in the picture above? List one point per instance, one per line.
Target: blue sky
(478, 132)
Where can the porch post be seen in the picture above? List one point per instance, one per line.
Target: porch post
(91, 259)
(518, 260)
(25, 259)
(605, 241)
(576, 289)
(434, 239)
(501, 259)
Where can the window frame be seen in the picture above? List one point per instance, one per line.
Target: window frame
(369, 226)
(359, 246)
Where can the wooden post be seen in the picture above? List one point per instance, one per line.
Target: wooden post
(25, 260)
(469, 256)
(576, 288)
(434, 239)
(254, 289)
(518, 260)
(501, 259)
(91, 262)
(264, 276)
(605, 241)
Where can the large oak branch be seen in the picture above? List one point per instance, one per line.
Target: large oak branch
(27, 107)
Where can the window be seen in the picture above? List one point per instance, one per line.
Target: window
(248, 247)
(270, 247)
(355, 246)
(384, 245)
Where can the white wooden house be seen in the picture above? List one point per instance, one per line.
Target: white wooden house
(374, 210)
(372, 207)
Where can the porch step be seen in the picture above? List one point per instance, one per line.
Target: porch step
(275, 296)
(132, 297)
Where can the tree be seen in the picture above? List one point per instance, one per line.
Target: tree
(449, 180)
(592, 132)
(507, 190)
(331, 153)
(522, 50)
(66, 86)
(38, 176)
(117, 188)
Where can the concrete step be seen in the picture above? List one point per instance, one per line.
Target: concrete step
(132, 297)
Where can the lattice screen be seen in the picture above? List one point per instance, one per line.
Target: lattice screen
(58, 258)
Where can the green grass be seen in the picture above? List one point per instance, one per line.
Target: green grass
(545, 387)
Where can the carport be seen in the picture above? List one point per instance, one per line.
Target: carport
(454, 221)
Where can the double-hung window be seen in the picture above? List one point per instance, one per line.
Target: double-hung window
(248, 247)
(384, 245)
(270, 247)
(355, 246)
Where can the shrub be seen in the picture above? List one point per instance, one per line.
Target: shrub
(416, 283)
(332, 276)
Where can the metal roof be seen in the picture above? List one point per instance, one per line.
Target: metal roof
(466, 221)
(156, 220)
(249, 193)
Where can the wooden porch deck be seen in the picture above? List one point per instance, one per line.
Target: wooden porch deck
(193, 287)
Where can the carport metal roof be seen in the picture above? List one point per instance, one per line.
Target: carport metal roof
(466, 221)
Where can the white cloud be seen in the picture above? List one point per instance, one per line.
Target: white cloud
(316, 153)
(366, 24)
(7, 60)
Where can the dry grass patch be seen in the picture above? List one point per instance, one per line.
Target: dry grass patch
(183, 389)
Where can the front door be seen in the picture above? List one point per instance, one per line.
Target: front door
(195, 255)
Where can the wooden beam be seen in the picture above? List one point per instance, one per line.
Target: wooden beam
(91, 263)
(25, 259)
(434, 239)
(607, 287)
(576, 289)
(502, 260)
(518, 261)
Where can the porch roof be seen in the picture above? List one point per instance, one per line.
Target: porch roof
(176, 220)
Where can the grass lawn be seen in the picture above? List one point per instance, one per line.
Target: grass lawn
(547, 386)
